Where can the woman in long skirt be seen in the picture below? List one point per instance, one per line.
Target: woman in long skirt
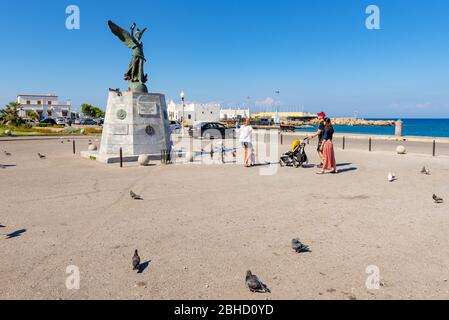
(329, 162)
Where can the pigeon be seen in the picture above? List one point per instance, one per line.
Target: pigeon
(41, 156)
(136, 260)
(254, 284)
(7, 153)
(391, 177)
(62, 142)
(135, 196)
(425, 171)
(437, 199)
(299, 247)
(116, 91)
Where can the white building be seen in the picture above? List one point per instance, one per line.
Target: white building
(46, 105)
(234, 114)
(193, 112)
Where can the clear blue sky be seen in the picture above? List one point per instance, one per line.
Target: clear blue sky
(317, 53)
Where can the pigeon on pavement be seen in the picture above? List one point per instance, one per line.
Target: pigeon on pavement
(136, 260)
(135, 196)
(391, 177)
(7, 153)
(299, 247)
(425, 171)
(41, 156)
(437, 199)
(254, 284)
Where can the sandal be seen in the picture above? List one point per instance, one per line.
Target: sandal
(320, 172)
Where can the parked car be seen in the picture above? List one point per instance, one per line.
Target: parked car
(208, 130)
(100, 121)
(48, 121)
(30, 122)
(60, 121)
(174, 126)
(88, 122)
(77, 121)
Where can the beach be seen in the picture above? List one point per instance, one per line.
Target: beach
(201, 226)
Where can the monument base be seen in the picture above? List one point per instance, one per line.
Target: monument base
(136, 123)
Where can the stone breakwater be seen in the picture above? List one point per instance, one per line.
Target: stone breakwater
(358, 122)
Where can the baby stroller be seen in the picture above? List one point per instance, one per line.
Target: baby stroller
(296, 157)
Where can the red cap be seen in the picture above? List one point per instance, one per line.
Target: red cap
(322, 115)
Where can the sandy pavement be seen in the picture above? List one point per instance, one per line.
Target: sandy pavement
(201, 227)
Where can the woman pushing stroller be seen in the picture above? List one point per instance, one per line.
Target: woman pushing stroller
(326, 147)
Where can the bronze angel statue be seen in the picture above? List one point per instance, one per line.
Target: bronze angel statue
(135, 74)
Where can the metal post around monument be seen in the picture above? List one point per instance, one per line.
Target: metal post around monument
(74, 147)
(370, 144)
(434, 148)
(344, 142)
(121, 158)
(222, 151)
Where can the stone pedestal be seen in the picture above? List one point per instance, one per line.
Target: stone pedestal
(136, 122)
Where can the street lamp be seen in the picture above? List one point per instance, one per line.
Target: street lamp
(183, 96)
(277, 120)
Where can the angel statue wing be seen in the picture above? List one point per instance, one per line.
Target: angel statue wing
(122, 34)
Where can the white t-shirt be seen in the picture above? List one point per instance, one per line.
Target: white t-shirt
(246, 133)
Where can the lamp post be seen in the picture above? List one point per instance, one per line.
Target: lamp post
(183, 96)
(277, 120)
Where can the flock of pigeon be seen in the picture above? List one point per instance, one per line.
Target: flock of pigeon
(8, 154)
(252, 282)
(392, 177)
(40, 155)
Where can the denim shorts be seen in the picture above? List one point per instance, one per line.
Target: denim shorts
(247, 145)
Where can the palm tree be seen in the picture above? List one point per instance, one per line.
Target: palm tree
(10, 115)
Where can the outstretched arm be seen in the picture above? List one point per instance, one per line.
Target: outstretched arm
(133, 27)
(315, 135)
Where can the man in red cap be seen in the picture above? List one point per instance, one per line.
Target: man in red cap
(319, 134)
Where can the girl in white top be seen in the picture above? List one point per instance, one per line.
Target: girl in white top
(246, 139)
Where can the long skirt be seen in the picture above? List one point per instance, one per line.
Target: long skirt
(329, 162)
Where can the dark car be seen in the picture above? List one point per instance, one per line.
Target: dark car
(88, 122)
(214, 130)
(49, 121)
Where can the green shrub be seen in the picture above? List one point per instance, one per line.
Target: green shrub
(92, 131)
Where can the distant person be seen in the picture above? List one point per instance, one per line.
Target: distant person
(327, 149)
(319, 134)
(246, 139)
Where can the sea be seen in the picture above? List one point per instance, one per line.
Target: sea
(438, 128)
